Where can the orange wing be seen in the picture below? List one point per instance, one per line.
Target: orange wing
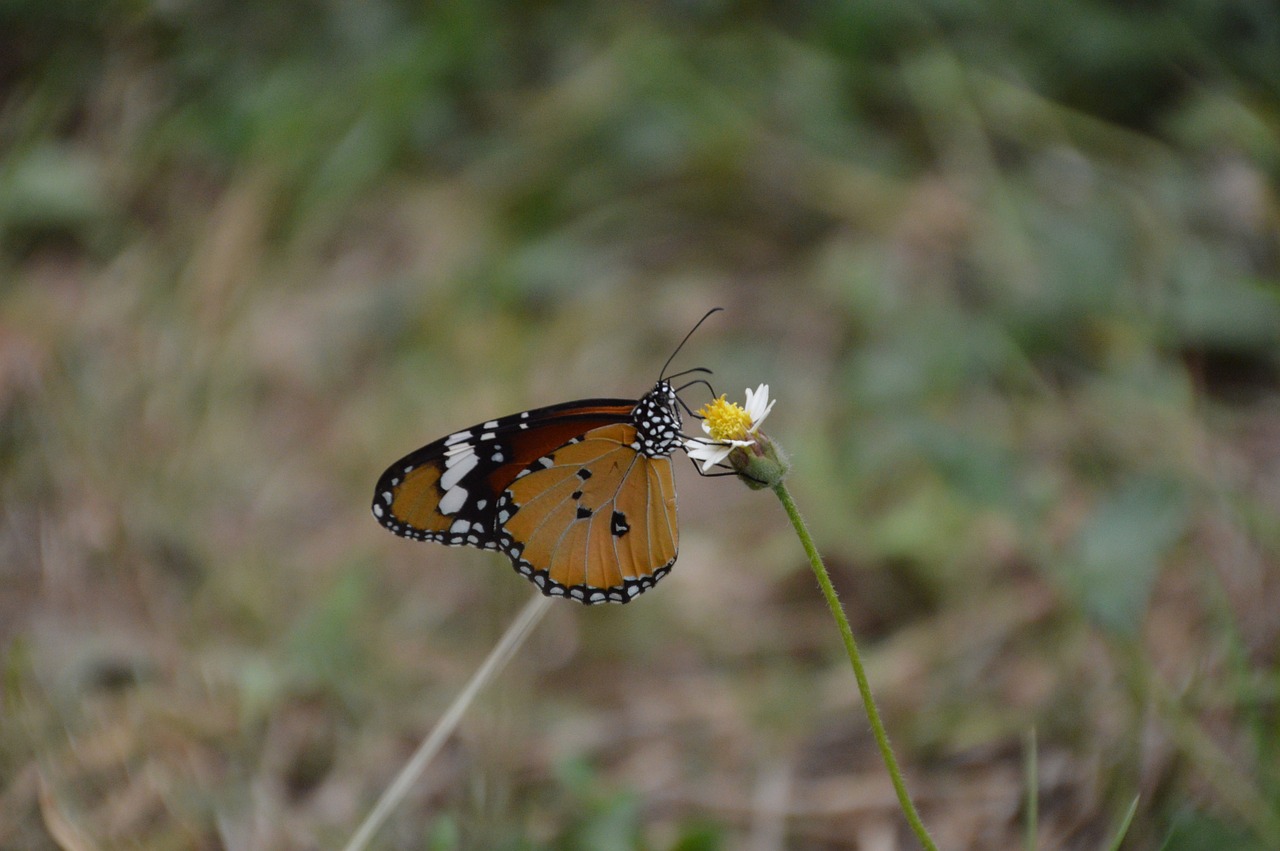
(597, 520)
(447, 491)
(580, 496)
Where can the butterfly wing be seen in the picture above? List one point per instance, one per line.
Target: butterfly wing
(580, 496)
(447, 491)
(594, 520)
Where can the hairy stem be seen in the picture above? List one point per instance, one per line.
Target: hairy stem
(855, 659)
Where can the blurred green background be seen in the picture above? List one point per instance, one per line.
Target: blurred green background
(1011, 270)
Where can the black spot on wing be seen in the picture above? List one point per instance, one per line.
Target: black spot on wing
(619, 525)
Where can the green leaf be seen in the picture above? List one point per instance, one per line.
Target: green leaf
(1124, 825)
(325, 646)
(1116, 555)
(54, 186)
(1196, 831)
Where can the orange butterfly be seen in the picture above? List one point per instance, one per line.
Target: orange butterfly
(580, 496)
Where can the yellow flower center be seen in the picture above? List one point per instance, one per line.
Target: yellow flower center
(725, 420)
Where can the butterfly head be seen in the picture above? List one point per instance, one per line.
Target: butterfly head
(656, 418)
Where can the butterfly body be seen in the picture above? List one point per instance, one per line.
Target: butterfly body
(580, 496)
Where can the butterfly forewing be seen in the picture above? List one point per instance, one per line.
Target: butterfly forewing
(447, 490)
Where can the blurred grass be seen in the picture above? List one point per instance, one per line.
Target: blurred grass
(1014, 276)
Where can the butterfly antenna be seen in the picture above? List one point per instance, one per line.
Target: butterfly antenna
(701, 381)
(688, 410)
(701, 369)
(662, 374)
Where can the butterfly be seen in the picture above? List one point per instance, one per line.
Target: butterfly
(580, 495)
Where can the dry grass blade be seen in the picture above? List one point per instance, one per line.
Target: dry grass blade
(67, 836)
(1033, 790)
(502, 652)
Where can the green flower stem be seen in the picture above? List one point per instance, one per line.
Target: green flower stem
(851, 647)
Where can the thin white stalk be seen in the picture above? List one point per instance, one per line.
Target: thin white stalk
(499, 656)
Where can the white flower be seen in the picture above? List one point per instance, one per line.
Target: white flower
(729, 426)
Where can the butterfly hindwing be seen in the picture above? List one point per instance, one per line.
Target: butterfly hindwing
(596, 523)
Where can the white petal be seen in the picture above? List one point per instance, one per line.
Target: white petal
(715, 459)
(696, 448)
(758, 405)
(708, 453)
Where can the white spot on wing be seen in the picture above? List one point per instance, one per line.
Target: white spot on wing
(456, 467)
(452, 500)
